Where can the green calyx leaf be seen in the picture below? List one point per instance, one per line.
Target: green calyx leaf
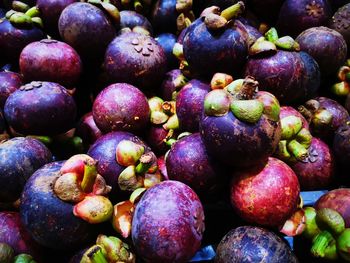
(247, 110)
(217, 103)
(330, 220)
(343, 245)
(290, 125)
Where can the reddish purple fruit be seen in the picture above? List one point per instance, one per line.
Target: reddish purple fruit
(50, 60)
(156, 139)
(87, 130)
(9, 83)
(40, 108)
(341, 145)
(340, 22)
(121, 107)
(173, 81)
(168, 223)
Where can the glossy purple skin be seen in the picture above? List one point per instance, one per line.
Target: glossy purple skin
(326, 46)
(286, 111)
(267, 10)
(19, 159)
(104, 151)
(87, 129)
(189, 162)
(287, 75)
(253, 244)
(50, 60)
(87, 29)
(47, 109)
(121, 107)
(16, 235)
(298, 15)
(237, 143)
(167, 41)
(14, 39)
(131, 19)
(341, 146)
(340, 22)
(136, 59)
(9, 83)
(210, 52)
(190, 104)
(168, 223)
(49, 220)
(253, 33)
(156, 136)
(167, 87)
(50, 11)
(317, 171)
(164, 16)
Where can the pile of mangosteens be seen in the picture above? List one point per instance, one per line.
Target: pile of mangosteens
(164, 131)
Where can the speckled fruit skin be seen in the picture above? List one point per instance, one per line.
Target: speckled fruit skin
(189, 162)
(168, 223)
(266, 195)
(290, 76)
(298, 15)
(104, 151)
(339, 200)
(253, 244)
(50, 60)
(326, 46)
(210, 52)
(121, 106)
(19, 159)
(286, 111)
(87, 29)
(190, 104)
(49, 220)
(13, 39)
(131, 19)
(164, 16)
(136, 59)
(317, 171)
(87, 130)
(341, 146)
(9, 83)
(40, 108)
(340, 22)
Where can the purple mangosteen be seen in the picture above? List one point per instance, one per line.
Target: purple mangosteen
(87, 130)
(340, 22)
(173, 81)
(167, 41)
(9, 83)
(131, 19)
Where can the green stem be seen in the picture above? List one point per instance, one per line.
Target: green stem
(90, 173)
(320, 244)
(271, 35)
(97, 256)
(145, 163)
(44, 139)
(233, 11)
(298, 151)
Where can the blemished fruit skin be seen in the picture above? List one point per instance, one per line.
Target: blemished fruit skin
(49, 220)
(19, 158)
(266, 195)
(168, 223)
(253, 244)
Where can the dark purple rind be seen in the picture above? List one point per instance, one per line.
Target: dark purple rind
(121, 107)
(341, 146)
(49, 220)
(104, 151)
(19, 159)
(340, 22)
(237, 143)
(9, 83)
(167, 41)
(253, 244)
(189, 162)
(294, 16)
(44, 110)
(87, 29)
(167, 87)
(208, 52)
(164, 15)
(317, 171)
(167, 224)
(326, 46)
(87, 130)
(136, 59)
(131, 19)
(190, 104)
(156, 137)
(311, 78)
(14, 39)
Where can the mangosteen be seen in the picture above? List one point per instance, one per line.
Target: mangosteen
(253, 244)
(326, 46)
(167, 41)
(136, 59)
(119, 107)
(20, 158)
(40, 108)
(173, 81)
(340, 22)
(50, 60)
(87, 130)
(168, 223)
(341, 146)
(131, 19)
(9, 83)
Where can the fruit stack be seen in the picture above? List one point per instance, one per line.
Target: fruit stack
(174, 131)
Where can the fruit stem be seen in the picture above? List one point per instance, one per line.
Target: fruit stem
(322, 245)
(233, 11)
(145, 163)
(248, 89)
(90, 173)
(298, 150)
(97, 256)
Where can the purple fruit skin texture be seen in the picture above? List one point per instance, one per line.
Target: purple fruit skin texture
(210, 52)
(19, 159)
(340, 22)
(287, 75)
(131, 19)
(87, 129)
(50, 60)
(49, 220)
(189, 162)
(104, 151)
(9, 83)
(87, 29)
(121, 107)
(45, 110)
(167, 87)
(341, 146)
(237, 143)
(156, 136)
(190, 104)
(326, 46)
(164, 16)
(13, 39)
(311, 78)
(167, 41)
(295, 16)
(318, 174)
(167, 224)
(253, 244)
(136, 59)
